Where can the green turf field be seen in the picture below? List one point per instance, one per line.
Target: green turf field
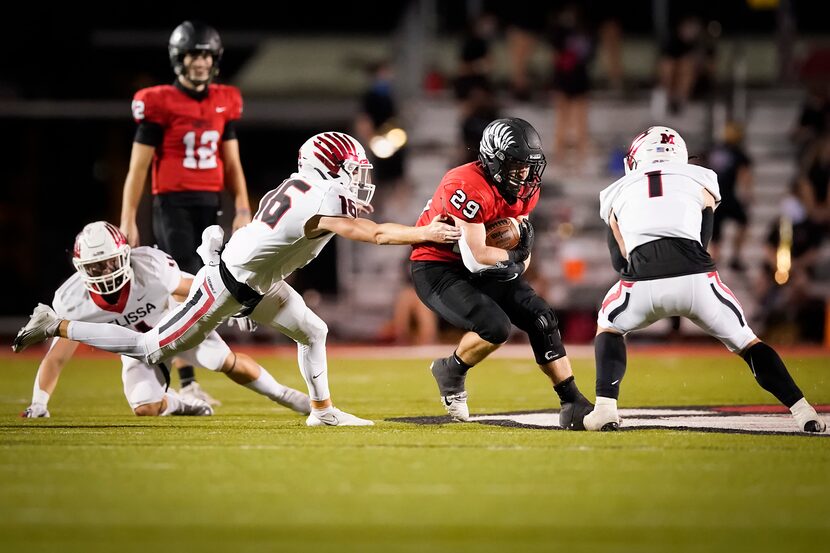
(254, 478)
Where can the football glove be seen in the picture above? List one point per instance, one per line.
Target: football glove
(245, 324)
(503, 271)
(526, 237)
(35, 411)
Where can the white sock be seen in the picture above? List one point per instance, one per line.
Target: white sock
(606, 402)
(174, 404)
(39, 396)
(266, 385)
(323, 411)
(108, 337)
(312, 361)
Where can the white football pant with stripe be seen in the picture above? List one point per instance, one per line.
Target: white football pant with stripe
(209, 305)
(702, 298)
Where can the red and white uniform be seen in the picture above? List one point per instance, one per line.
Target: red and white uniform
(274, 245)
(465, 193)
(142, 304)
(659, 201)
(189, 158)
(261, 255)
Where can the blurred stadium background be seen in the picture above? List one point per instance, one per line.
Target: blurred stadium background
(68, 76)
(253, 478)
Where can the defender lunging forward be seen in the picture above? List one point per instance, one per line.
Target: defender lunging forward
(660, 222)
(293, 224)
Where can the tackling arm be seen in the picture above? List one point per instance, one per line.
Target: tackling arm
(364, 230)
(140, 159)
(235, 183)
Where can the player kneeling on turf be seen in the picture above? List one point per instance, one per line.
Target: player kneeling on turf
(660, 221)
(132, 289)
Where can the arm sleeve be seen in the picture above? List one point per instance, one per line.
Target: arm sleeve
(617, 260)
(230, 131)
(468, 258)
(149, 134)
(707, 226)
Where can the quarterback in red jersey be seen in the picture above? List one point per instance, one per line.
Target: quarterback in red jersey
(480, 288)
(187, 133)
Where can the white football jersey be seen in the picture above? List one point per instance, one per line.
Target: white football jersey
(661, 200)
(274, 244)
(142, 303)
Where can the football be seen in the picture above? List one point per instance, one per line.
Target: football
(502, 233)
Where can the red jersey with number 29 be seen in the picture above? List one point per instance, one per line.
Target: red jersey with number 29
(466, 193)
(189, 157)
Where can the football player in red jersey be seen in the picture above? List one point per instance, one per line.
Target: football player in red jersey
(187, 133)
(480, 288)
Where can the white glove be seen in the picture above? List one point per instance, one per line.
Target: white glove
(245, 324)
(35, 411)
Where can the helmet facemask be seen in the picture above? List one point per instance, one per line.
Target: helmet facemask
(102, 258)
(339, 157)
(521, 179)
(360, 185)
(105, 275)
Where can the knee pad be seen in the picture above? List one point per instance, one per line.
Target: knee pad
(545, 338)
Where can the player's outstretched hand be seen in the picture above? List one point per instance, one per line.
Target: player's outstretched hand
(35, 411)
(438, 231)
(245, 324)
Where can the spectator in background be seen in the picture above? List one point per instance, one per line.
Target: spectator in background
(814, 177)
(814, 117)
(677, 67)
(789, 311)
(474, 88)
(478, 110)
(525, 22)
(573, 50)
(378, 114)
(729, 160)
(476, 64)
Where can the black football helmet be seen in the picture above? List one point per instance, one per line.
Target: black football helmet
(194, 36)
(511, 154)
